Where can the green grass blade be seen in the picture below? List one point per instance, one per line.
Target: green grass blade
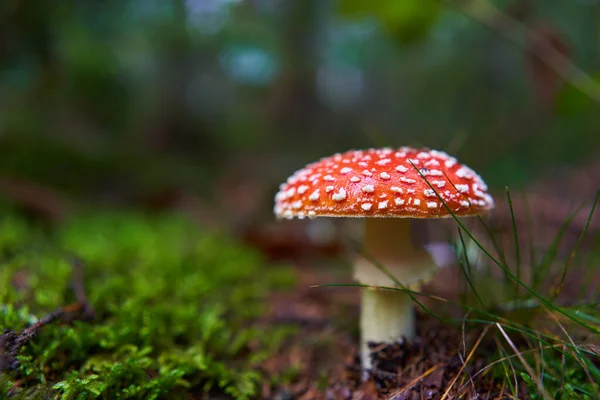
(388, 273)
(467, 272)
(495, 261)
(516, 237)
(542, 271)
(576, 248)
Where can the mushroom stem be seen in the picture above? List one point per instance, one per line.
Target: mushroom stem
(388, 315)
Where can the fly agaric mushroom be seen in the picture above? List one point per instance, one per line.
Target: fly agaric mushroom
(386, 187)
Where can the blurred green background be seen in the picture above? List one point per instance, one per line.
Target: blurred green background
(113, 101)
(206, 106)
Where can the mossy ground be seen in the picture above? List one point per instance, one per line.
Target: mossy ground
(175, 309)
(179, 312)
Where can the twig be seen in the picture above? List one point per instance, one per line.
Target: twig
(514, 30)
(12, 342)
(413, 382)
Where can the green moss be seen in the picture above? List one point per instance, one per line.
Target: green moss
(176, 309)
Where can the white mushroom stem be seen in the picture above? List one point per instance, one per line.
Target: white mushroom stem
(388, 315)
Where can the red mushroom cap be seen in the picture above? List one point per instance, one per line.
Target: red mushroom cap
(383, 183)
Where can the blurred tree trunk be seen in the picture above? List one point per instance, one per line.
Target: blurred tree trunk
(294, 104)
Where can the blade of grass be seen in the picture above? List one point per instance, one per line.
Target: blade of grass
(516, 237)
(508, 324)
(460, 371)
(388, 273)
(526, 365)
(577, 355)
(542, 270)
(465, 273)
(494, 260)
(513, 382)
(413, 382)
(500, 360)
(569, 260)
(530, 230)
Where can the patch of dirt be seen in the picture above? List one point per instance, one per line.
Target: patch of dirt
(323, 356)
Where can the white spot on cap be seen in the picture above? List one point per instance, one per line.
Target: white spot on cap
(329, 189)
(288, 214)
(363, 164)
(450, 162)
(399, 201)
(384, 161)
(417, 202)
(329, 178)
(400, 154)
(432, 204)
(423, 155)
(410, 191)
(297, 204)
(401, 168)
(339, 196)
(397, 189)
(462, 188)
(314, 196)
(432, 163)
(413, 161)
(368, 189)
(435, 172)
(355, 179)
(312, 214)
(366, 206)
(280, 196)
(345, 170)
(464, 203)
(367, 173)
(478, 192)
(290, 192)
(488, 199)
(429, 193)
(439, 184)
(464, 172)
(384, 175)
(382, 205)
(302, 189)
(407, 180)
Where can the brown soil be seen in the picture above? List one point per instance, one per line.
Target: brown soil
(324, 354)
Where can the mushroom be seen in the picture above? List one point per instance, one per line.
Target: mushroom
(386, 187)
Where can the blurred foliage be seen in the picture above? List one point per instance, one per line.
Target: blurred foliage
(407, 21)
(176, 309)
(134, 95)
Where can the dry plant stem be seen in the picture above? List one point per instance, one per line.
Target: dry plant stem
(485, 12)
(387, 315)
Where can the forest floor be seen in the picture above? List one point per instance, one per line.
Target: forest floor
(446, 361)
(438, 364)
